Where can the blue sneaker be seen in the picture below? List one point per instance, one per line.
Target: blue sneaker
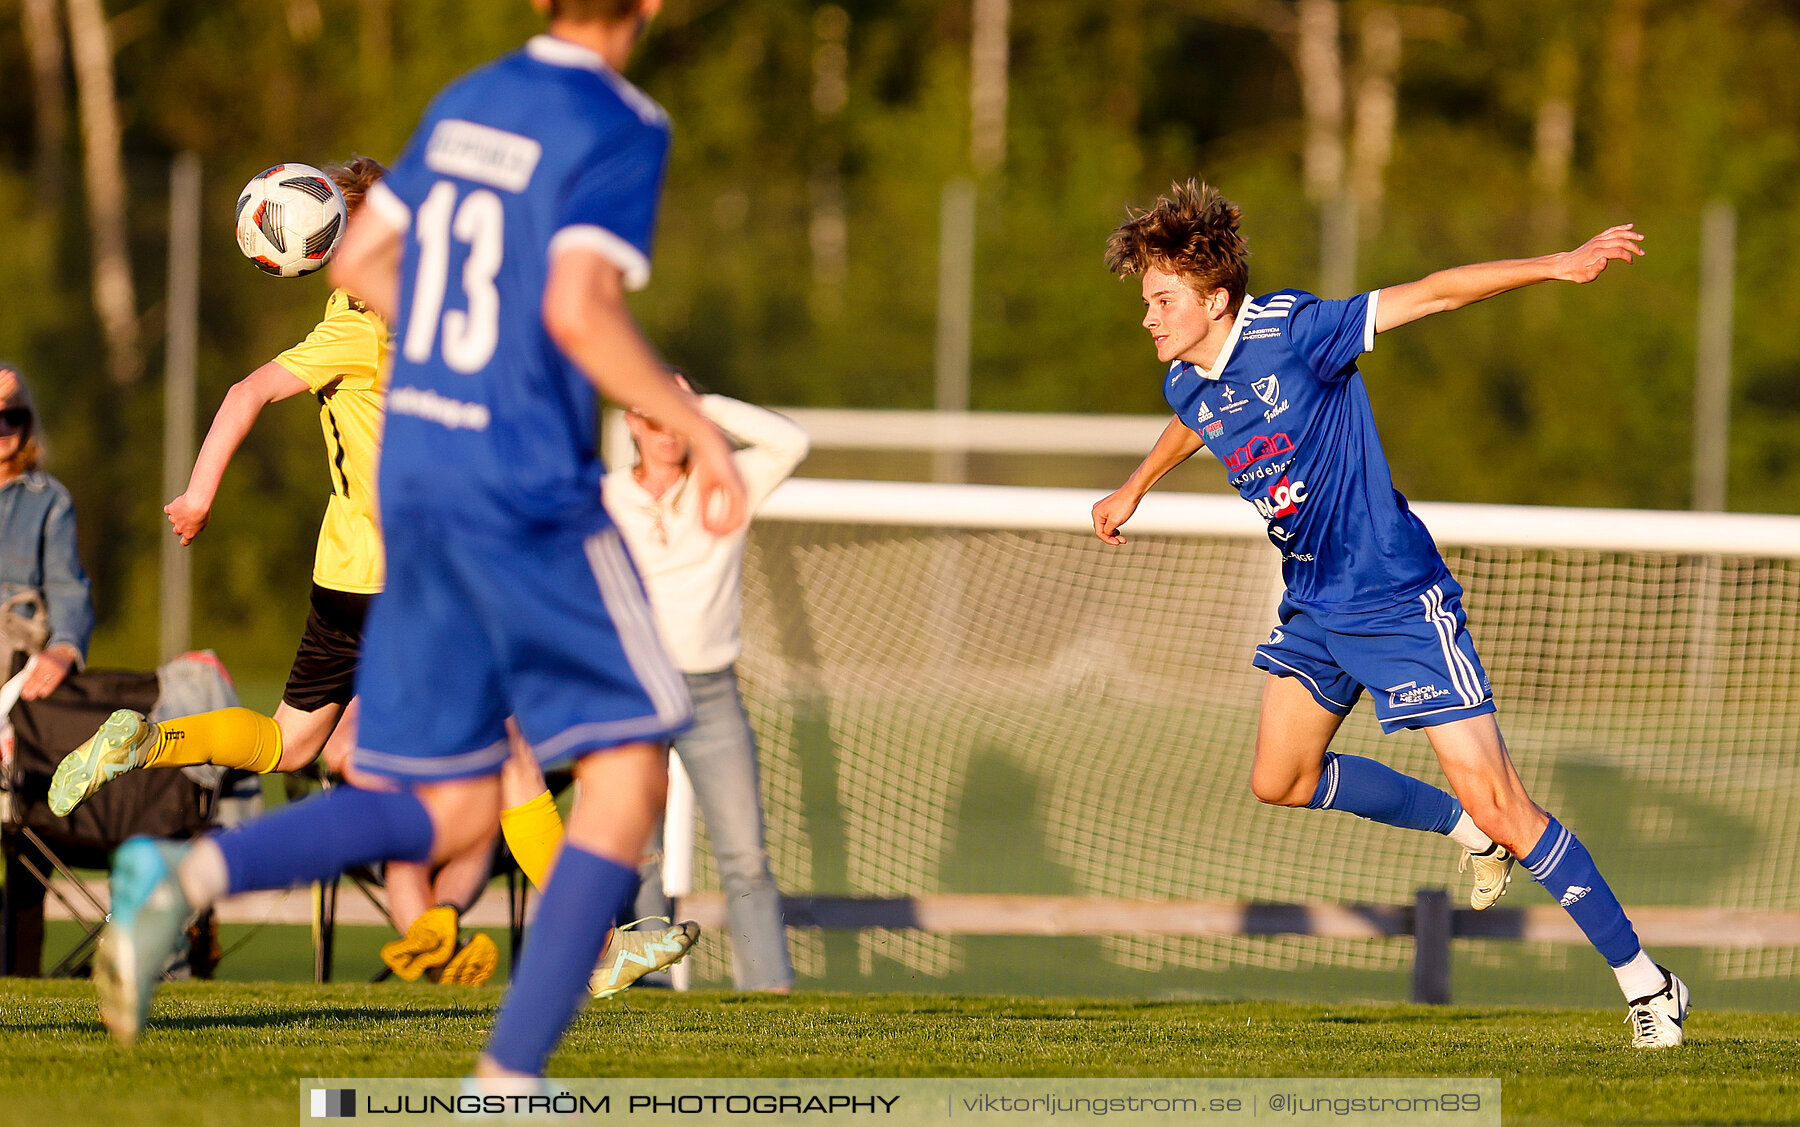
(144, 928)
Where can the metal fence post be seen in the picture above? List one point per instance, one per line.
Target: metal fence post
(1431, 947)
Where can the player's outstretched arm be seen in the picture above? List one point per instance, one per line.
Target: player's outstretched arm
(585, 314)
(1465, 285)
(1175, 445)
(270, 383)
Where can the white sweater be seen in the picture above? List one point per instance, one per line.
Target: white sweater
(694, 577)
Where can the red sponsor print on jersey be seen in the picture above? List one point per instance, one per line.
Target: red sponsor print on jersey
(1258, 448)
(1284, 498)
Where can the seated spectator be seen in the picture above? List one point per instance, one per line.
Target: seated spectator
(46, 612)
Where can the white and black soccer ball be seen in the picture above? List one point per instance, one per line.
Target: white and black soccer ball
(289, 219)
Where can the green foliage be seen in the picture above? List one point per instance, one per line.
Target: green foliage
(1558, 395)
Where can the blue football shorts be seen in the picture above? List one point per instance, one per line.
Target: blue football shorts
(551, 627)
(1415, 658)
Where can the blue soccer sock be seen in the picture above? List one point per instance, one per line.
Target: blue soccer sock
(1381, 794)
(585, 893)
(320, 837)
(1563, 866)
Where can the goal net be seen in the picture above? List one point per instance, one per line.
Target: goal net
(959, 689)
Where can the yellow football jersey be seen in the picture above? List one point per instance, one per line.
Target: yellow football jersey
(344, 362)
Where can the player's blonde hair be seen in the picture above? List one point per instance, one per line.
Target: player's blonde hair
(1191, 233)
(354, 178)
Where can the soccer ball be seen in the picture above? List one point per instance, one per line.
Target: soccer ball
(289, 219)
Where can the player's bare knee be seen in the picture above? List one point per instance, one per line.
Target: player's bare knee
(1282, 790)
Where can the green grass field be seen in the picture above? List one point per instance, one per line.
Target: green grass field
(229, 1053)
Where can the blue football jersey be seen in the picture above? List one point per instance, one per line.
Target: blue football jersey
(1285, 412)
(543, 148)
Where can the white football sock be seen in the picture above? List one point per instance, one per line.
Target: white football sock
(203, 876)
(1468, 835)
(1641, 977)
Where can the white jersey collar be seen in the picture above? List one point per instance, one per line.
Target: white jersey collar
(562, 53)
(1237, 327)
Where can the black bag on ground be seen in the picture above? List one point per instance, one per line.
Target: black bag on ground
(162, 803)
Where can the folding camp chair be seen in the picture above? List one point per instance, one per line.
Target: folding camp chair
(39, 847)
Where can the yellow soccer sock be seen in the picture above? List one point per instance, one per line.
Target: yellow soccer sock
(229, 737)
(534, 832)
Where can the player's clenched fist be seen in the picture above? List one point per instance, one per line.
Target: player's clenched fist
(188, 516)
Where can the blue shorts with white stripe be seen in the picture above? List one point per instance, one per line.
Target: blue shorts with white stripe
(1415, 658)
(548, 625)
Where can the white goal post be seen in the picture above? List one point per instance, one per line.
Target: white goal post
(925, 505)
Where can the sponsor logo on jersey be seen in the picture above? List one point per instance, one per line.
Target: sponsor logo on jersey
(483, 154)
(423, 403)
(1267, 389)
(1261, 332)
(1232, 404)
(1284, 498)
(1299, 557)
(1267, 469)
(1279, 534)
(1213, 429)
(1414, 693)
(1269, 415)
(1204, 413)
(1258, 448)
(1575, 892)
(1275, 637)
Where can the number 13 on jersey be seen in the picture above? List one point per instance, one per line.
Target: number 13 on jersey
(471, 334)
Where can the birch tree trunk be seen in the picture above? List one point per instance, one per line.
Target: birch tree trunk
(1619, 96)
(1553, 146)
(988, 62)
(828, 230)
(1375, 115)
(1318, 60)
(44, 45)
(103, 160)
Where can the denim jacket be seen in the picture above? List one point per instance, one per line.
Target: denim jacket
(38, 553)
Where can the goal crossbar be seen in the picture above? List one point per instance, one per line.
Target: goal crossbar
(1012, 507)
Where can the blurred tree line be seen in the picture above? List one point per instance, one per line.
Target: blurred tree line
(1368, 141)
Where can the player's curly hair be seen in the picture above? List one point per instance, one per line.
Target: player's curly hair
(1192, 233)
(355, 177)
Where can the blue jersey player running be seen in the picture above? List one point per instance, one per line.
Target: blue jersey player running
(1269, 384)
(500, 249)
